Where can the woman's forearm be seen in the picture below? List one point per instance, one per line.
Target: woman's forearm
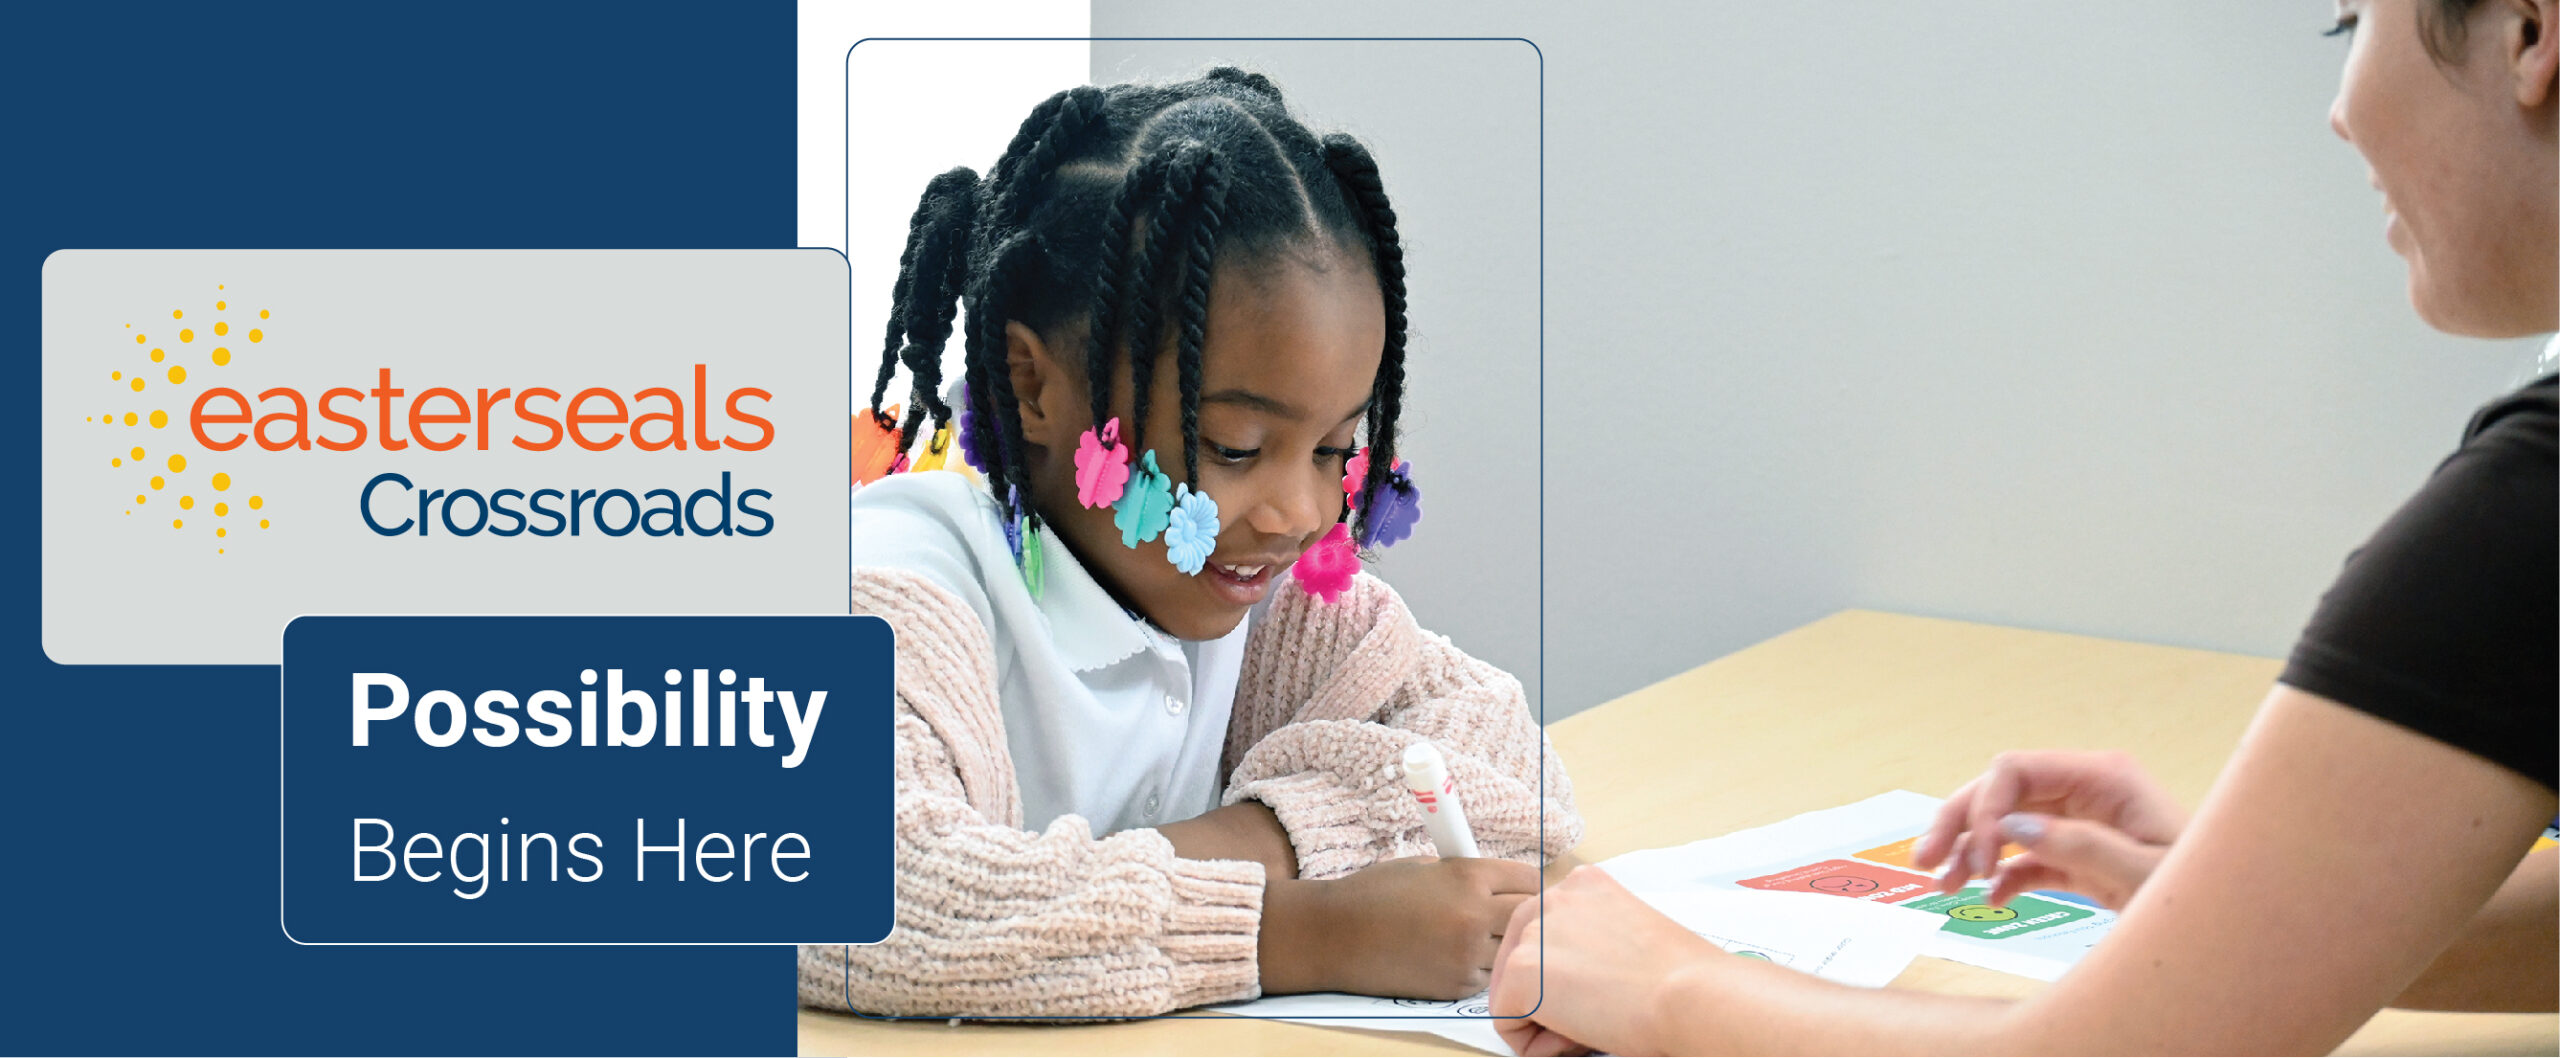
(2508, 957)
(1723, 1005)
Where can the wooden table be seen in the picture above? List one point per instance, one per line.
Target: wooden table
(1847, 707)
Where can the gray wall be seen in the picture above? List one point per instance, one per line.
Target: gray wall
(1468, 220)
(2068, 316)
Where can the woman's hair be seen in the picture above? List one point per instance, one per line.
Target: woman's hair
(1110, 209)
(2442, 25)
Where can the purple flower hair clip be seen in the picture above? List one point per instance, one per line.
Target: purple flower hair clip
(1399, 501)
(974, 441)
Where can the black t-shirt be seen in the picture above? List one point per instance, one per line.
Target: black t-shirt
(2447, 621)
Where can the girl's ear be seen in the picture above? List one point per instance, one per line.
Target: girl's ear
(2527, 45)
(1037, 387)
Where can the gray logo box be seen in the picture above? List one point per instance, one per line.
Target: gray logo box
(158, 562)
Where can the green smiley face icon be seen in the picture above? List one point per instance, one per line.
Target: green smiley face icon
(1982, 913)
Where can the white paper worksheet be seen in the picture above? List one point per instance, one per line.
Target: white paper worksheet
(1862, 853)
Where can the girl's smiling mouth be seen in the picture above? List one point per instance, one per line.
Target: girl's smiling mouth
(1243, 583)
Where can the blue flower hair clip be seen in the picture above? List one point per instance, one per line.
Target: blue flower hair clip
(1192, 531)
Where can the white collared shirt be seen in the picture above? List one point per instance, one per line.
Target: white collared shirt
(1106, 716)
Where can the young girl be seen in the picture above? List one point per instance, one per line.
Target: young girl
(1147, 707)
(2368, 843)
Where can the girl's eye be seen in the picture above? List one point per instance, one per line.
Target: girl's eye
(1225, 454)
(2346, 25)
(1329, 453)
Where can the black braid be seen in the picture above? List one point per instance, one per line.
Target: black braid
(1011, 469)
(1352, 164)
(1253, 81)
(931, 271)
(1077, 110)
(1150, 265)
(1118, 276)
(1209, 188)
(924, 356)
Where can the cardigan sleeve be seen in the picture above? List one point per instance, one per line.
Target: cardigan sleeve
(1333, 693)
(996, 921)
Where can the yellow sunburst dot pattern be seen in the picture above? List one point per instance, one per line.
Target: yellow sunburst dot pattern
(173, 371)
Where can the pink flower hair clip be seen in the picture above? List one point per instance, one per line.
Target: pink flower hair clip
(1326, 570)
(1102, 466)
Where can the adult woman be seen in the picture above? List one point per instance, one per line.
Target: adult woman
(2409, 745)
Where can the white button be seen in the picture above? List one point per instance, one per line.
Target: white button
(1173, 705)
(1151, 807)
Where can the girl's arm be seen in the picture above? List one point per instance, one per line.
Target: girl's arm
(993, 920)
(1330, 696)
(2334, 860)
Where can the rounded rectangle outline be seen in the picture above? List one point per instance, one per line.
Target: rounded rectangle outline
(889, 776)
(1542, 508)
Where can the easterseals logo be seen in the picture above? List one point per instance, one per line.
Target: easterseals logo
(225, 422)
(158, 464)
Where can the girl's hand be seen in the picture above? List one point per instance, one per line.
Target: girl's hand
(2092, 822)
(1606, 957)
(1422, 928)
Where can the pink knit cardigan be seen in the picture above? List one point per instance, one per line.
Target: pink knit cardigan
(996, 921)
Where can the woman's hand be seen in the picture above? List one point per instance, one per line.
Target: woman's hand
(2092, 823)
(1606, 957)
(1422, 928)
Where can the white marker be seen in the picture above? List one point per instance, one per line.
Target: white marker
(1426, 773)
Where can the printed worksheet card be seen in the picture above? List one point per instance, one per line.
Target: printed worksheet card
(1862, 852)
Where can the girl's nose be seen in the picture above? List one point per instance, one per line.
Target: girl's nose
(1297, 509)
(2338, 117)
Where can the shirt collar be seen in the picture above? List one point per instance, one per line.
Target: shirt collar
(1086, 624)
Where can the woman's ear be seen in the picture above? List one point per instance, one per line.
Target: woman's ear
(2525, 42)
(1037, 383)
